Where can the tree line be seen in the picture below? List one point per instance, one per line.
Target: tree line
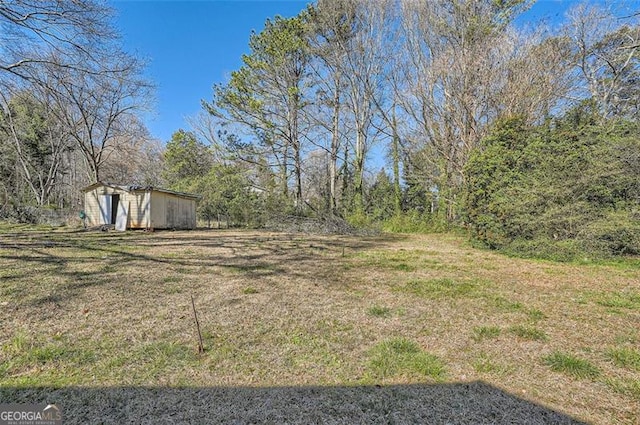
(70, 98)
(435, 88)
(430, 85)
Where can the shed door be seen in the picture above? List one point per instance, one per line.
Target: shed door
(105, 209)
(122, 217)
(115, 202)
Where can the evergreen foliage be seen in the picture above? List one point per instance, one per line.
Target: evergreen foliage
(564, 189)
(185, 157)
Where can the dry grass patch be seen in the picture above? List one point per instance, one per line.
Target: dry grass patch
(528, 332)
(249, 290)
(379, 311)
(441, 288)
(485, 364)
(106, 310)
(627, 387)
(536, 315)
(625, 300)
(625, 357)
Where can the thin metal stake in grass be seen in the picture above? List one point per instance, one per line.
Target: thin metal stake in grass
(195, 314)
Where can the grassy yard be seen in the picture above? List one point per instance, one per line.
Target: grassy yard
(343, 329)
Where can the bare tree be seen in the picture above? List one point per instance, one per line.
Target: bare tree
(364, 70)
(454, 53)
(331, 26)
(138, 158)
(99, 107)
(35, 31)
(67, 53)
(606, 53)
(316, 180)
(536, 77)
(348, 38)
(38, 140)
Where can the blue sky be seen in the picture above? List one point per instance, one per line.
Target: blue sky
(191, 45)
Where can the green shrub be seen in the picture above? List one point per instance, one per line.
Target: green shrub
(547, 249)
(360, 220)
(414, 222)
(616, 234)
(564, 191)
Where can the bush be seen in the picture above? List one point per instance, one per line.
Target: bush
(547, 249)
(617, 234)
(360, 220)
(413, 222)
(21, 214)
(561, 191)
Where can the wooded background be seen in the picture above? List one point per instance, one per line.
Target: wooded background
(528, 138)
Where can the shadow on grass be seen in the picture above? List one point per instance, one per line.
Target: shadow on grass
(254, 252)
(83, 259)
(458, 403)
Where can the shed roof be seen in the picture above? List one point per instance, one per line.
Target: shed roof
(138, 188)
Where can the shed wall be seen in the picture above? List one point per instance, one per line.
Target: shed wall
(137, 204)
(172, 212)
(158, 208)
(146, 209)
(139, 210)
(93, 207)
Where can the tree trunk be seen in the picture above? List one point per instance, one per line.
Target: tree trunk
(335, 146)
(395, 154)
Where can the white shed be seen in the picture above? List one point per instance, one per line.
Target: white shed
(138, 207)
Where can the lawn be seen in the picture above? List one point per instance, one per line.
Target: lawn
(312, 329)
